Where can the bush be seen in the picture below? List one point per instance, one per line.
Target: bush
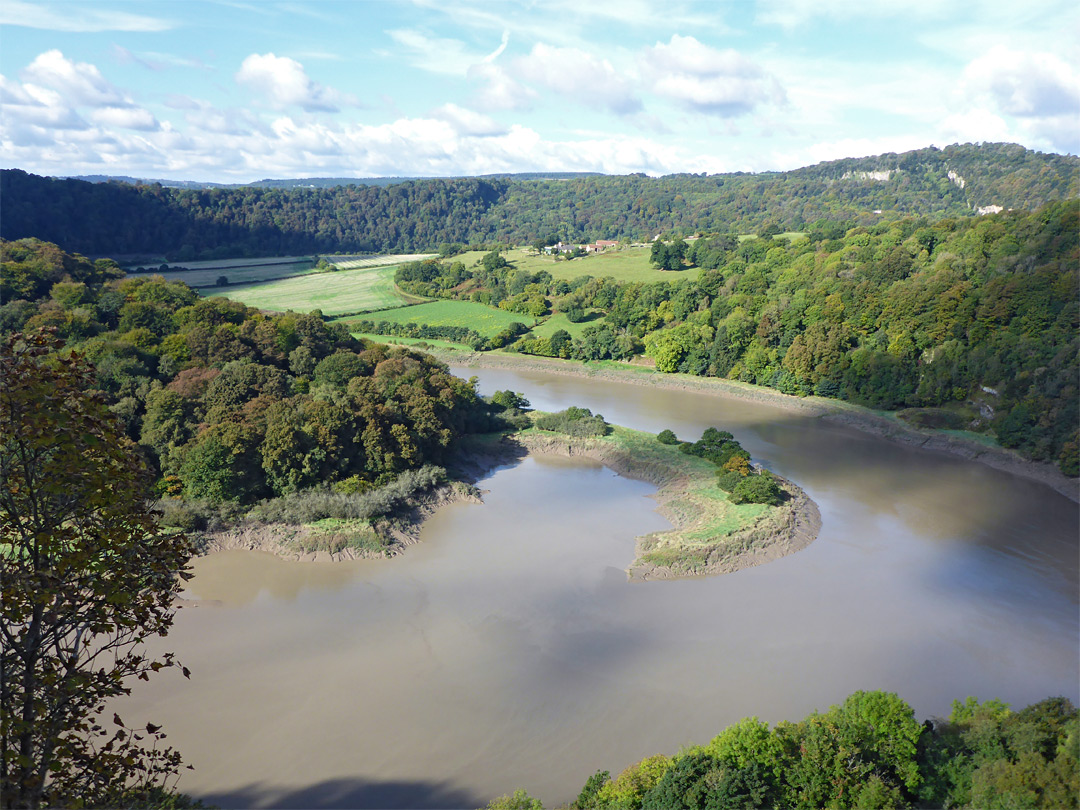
(728, 480)
(667, 437)
(573, 421)
(760, 488)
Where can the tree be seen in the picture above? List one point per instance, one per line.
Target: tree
(87, 579)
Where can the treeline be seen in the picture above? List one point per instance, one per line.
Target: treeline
(187, 224)
(228, 404)
(868, 752)
(974, 321)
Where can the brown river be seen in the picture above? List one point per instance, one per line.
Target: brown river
(507, 650)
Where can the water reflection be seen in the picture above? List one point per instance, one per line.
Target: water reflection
(508, 650)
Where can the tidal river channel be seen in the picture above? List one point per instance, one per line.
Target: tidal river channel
(507, 650)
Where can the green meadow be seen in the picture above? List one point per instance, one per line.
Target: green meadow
(483, 320)
(628, 264)
(337, 293)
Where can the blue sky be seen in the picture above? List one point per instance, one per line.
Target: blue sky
(239, 90)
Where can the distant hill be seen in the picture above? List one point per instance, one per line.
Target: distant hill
(311, 182)
(320, 215)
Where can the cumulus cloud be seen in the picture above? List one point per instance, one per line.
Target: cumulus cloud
(1039, 90)
(125, 117)
(79, 83)
(499, 90)
(286, 83)
(36, 106)
(707, 80)
(576, 73)
(468, 122)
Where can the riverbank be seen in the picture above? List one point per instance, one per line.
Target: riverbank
(972, 448)
(710, 535)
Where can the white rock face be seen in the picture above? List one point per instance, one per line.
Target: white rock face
(989, 209)
(960, 181)
(882, 175)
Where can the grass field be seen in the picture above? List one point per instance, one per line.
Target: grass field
(484, 320)
(334, 293)
(630, 264)
(558, 321)
(237, 271)
(364, 262)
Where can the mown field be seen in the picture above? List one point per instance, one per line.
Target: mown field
(484, 320)
(629, 264)
(337, 293)
(361, 262)
(237, 271)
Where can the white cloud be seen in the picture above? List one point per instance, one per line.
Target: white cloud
(125, 117)
(284, 81)
(580, 75)
(1026, 84)
(448, 57)
(468, 122)
(1040, 91)
(80, 83)
(499, 91)
(707, 80)
(76, 19)
(36, 106)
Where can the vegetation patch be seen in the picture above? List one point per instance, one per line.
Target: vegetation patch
(484, 320)
(337, 293)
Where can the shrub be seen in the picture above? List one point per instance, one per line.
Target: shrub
(667, 437)
(760, 488)
(574, 421)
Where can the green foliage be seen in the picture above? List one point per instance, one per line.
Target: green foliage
(509, 400)
(236, 406)
(759, 488)
(667, 437)
(587, 797)
(573, 421)
(518, 800)
(87, 579)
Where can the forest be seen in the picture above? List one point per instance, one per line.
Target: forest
(119, 219)
(232, 406)
(961, 323)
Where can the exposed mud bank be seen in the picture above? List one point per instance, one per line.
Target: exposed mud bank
(831, 410)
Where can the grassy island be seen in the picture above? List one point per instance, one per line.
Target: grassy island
(711, 534)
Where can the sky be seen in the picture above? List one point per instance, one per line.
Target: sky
(233, 91)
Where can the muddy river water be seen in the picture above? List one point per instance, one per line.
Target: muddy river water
(508, 650)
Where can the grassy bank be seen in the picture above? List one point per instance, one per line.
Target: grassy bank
(711, 535)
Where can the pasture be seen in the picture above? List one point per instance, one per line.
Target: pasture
(337, 293)
(629, 264)
(237, 271)
(419, 343)
(484, 320)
